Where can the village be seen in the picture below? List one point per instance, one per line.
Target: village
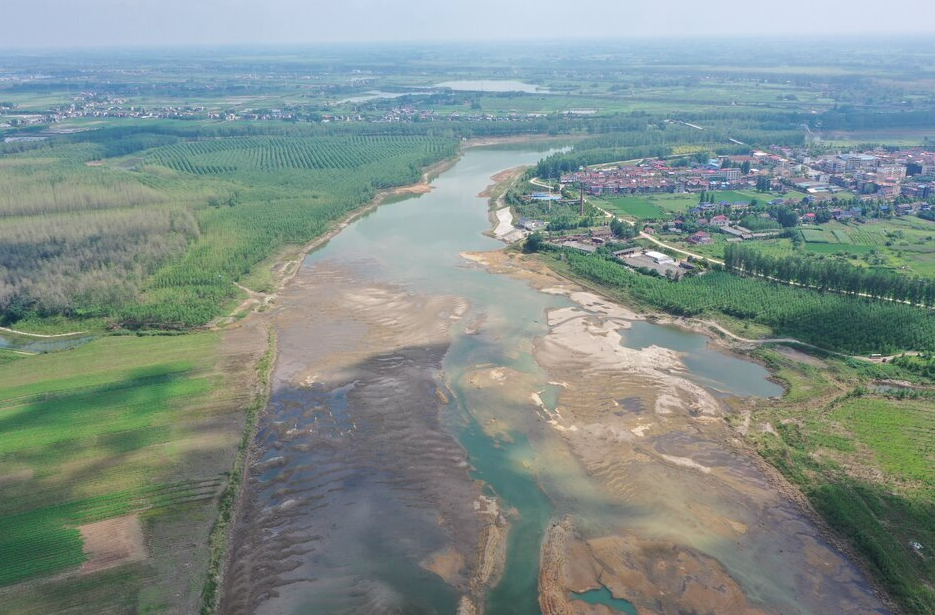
(785, 191)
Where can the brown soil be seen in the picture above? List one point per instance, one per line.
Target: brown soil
(503, 177)
(799, 356)
(112, 542)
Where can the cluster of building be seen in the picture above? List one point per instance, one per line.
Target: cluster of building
(876, 174)
(870, 174)
(635, 257)
(653, 260)
(658, 176)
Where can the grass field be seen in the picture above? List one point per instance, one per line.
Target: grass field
(866, 462)
(651, 206)
(634, 207)
(900, 434)
(121, 425)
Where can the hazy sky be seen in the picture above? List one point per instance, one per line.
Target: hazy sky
(92, 23)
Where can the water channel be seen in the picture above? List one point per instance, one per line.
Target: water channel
(417, 245)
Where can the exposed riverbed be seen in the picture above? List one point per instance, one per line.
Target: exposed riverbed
(451, 430)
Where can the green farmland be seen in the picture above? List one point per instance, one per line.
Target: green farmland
(634, 207)
(905, 243)
(143, 426)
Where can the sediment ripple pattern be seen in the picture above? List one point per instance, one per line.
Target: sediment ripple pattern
(354, 482)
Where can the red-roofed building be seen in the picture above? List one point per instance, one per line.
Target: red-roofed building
(700, 238)
(719, 221)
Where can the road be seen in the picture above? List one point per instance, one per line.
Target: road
(679, 250)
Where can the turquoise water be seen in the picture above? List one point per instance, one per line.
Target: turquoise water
(603, 596)
(417, 243)
(718, 371)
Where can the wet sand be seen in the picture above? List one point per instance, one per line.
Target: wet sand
(698, 511)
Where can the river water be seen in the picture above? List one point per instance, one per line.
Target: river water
(365, 544)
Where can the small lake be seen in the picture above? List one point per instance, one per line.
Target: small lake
(603, 596)
(723, 373)
(40, 344)
(488, 85)
(377, 95)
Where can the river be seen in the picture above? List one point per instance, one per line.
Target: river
(448, 428)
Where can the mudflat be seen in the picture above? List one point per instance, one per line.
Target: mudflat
(454, 428)
(353, 474)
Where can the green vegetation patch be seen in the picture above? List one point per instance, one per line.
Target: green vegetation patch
(864, 461)
(841, 235)
(837, 248)
(637, 207)
(830, 321)
(157, 238)
(814, 235)
(88, 434)
(901, 434)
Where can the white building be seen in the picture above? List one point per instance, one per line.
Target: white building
(659, 257)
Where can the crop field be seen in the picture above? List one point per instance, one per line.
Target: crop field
(814, 235)
(841, 236)
(902, 244)
(216, 157)
(837, 248)
(84, 438)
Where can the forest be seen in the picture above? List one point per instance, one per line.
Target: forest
(157, 240)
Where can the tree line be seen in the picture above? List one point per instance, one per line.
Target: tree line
(830, 275)
(854, 325)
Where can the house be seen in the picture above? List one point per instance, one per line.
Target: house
(602, 232)
(700, 238)
(809, 218)
(531, 225)
(719, 221)
(587, 248)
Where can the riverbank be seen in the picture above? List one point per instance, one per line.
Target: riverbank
(283, 267)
